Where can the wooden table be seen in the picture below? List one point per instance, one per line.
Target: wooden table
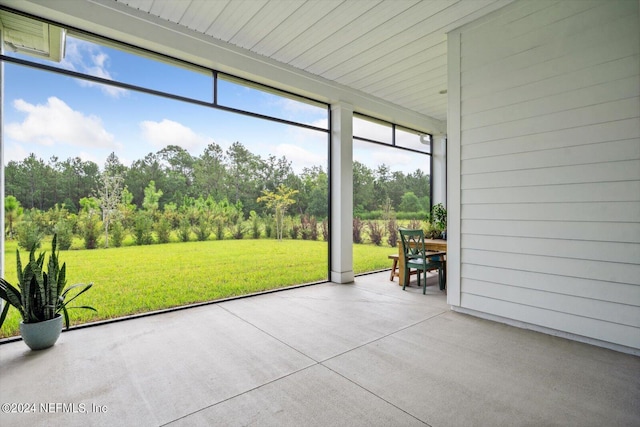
(436, 245)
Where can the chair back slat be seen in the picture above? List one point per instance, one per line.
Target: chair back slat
(412, 242)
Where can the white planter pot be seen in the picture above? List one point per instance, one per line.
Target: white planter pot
(42, 334)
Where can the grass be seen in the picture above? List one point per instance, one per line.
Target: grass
(137, 279)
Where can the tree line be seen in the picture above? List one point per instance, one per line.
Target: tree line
(172, 191)
(237, 175)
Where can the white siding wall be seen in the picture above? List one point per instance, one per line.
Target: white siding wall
(549, 166)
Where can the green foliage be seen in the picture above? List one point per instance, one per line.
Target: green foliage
(40, 295)
(90, 226)
(239, 229)
(117, 233)
(411, 215)
(254, 219)
(163, 229)
(142, 226)
(63, 229)
(268, 226)
(279, 201)
(151, 197)
(29, 232)
(294, 231)
(12, 212)
(439, 217)
(237, 175)
(184, 228)
(409, 203)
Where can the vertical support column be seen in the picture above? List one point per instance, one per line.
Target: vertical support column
(454, 199)
(439, 172)
(341, 193)
(2, 160)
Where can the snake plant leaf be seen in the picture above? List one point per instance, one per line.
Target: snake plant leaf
(19, 266)
(12, 297)
(62, 278)
(3, 315)
(85, 288)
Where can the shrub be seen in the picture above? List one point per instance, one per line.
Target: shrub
(91, 228)
(294, 231)
(238, 230)
(29, 233)
(117, 233)
(375, 232)
(255, 224)
(392, 229)
(325, 229)
(163, 230)
(202, 229)
(184, 229)
(268, 226)
(358, 225)
(305, 227)
(63, 229)
(142, 224)
(411, 215)
(219, 229)
(415, 224)
(313, 223)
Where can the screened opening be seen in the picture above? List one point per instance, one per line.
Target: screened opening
(391, 189)
(158, 194)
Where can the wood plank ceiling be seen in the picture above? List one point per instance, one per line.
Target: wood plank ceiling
(392, 49)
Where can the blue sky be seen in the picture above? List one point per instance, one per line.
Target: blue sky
(50, 114)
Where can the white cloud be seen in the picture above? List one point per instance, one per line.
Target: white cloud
(396, 160)
(168, 132)
(300, 157)
(15, 152)
(87, 58)
(57, 123)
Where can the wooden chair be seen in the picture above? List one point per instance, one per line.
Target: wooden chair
(415, 256)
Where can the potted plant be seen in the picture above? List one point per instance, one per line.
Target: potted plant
(41, 298)
(438, 221)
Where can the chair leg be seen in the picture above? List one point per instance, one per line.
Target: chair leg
(406, 277)
(424, 288)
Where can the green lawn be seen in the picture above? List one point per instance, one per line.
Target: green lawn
(138, 279)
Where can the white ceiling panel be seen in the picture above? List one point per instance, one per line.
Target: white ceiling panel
(392, 49)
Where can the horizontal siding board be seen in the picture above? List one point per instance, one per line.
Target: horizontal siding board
(588, 192)
(599, 172)
(600, 113)
(535, 47)
(542, 71)
(586, 77)
(568, 100)
(615, 151)
(534, 28)
(621, 293)
(583, 135)
(625, 314)
(550, 264)
(614, 252)
(592, 328)
(624, 212)
(627, 232)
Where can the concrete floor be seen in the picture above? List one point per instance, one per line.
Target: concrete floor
(365, 354)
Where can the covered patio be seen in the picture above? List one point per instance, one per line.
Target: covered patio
(364, 353)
